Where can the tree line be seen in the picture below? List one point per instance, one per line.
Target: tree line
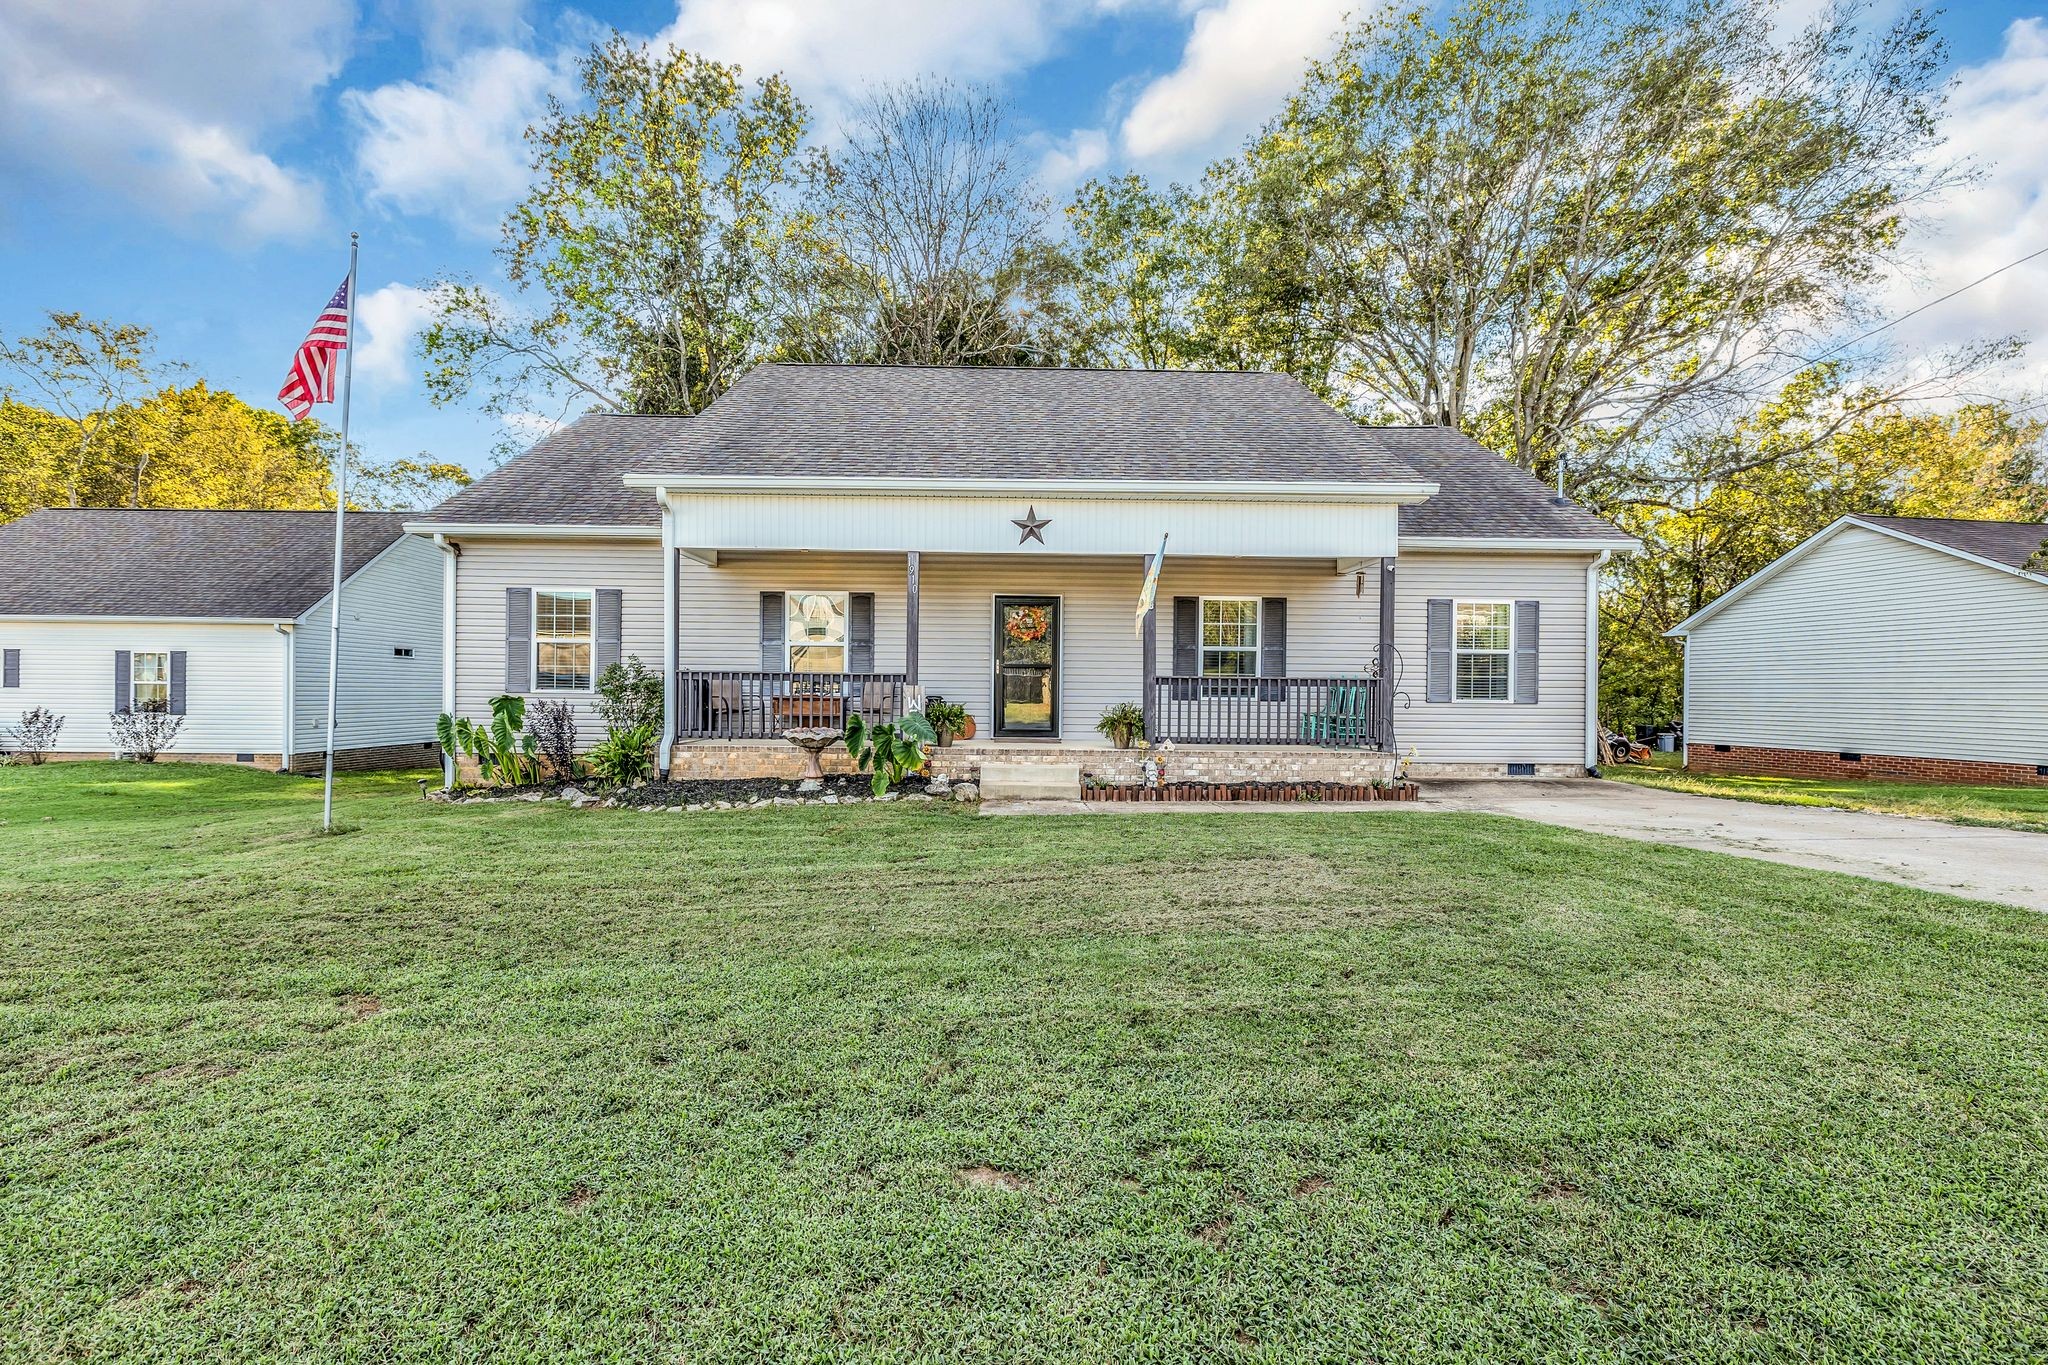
(91, 417)
(1611, 242)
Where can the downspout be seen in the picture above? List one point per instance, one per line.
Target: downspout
(669, 661)
(450, 552)
(284, 748)
(1593, 662)
(1685, 700)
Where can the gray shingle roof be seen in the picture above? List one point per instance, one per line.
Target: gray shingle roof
(802, 421)
(270, 566)
(2010, 543)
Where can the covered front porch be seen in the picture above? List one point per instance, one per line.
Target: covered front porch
(1236, 652)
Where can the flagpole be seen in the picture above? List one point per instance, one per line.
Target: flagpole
(348, 375)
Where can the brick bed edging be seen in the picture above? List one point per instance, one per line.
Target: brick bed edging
(1298, 793)
(1751, 760)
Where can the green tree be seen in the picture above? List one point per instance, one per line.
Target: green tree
(647, 259)
(89, 375)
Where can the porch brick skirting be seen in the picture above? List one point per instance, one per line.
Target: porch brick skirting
(1746, 760)
(1185, 763)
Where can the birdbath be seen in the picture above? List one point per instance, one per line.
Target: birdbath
(813, 740)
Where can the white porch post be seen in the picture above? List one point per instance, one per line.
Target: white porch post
(670, 658)
(910, 614)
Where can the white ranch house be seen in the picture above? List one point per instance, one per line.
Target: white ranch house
(1911, 648)
(222, 617)
(826, 540)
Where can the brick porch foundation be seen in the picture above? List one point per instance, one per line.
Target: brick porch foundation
(1749, 760)
(1186, 763)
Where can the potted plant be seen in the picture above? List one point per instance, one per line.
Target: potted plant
(1123, 724)
(948, 720)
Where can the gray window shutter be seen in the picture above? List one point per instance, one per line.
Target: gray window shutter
(1273, 637)
(10, 668)
(1439, 623)
(1528, 637)
(860, 632)
(611, 610)
(177, 682)
(519, 639)
(773, 623)
(123, 675)
(1187, 636)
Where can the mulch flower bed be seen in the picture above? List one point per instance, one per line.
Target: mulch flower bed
(1297, 792)
(707, 794)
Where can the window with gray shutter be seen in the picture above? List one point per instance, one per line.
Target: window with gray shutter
(773, 656)
(1273, 637)
(518, 640)
(177, 699)
(1187, 646)
(1438, 619)
(611, 611)
(860, 632)
(1528, 636)
(123, 679)
(10, 668)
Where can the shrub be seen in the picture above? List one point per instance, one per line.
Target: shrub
(145, 732)
(629, 696)
(945, 717)
(36, 734)
(625, 756)
(890, 752)
(554, 729)
(1122, 723)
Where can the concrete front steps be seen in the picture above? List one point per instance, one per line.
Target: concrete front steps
(1030, 782)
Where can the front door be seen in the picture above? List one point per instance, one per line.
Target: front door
(1027, 654)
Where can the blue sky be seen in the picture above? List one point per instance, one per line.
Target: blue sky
(197, 166)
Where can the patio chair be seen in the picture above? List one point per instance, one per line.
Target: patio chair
(878, 700)
(1345, 719)
(731, 709)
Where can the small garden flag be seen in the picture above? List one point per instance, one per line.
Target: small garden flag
(1148, 594)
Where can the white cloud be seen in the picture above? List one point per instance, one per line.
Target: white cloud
(453, 143)
(169, 104)
(447, 26)
(831, 49)
(1241, 59)
(1996, 220)
(389, 318)
(1072, 159)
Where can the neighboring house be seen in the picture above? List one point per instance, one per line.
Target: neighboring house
(830, 539)
(224, 618)
(1890, 647)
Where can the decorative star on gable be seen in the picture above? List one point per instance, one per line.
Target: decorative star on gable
(1032, 526)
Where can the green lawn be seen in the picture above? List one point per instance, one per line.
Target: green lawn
(2006, 807)
(888, 1083)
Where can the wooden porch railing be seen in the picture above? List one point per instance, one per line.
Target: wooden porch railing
(743, 704)
(1335, 713)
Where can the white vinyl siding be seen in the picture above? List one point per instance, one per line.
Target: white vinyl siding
(1869, 644)
(393, 602)
(1552, 731)
(489, 566)
(1332, 625)
(234, 680)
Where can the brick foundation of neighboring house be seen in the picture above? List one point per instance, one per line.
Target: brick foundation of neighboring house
(345, 760)
(1750, 760)
(371, 759)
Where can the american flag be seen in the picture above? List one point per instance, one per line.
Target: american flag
(312, 377)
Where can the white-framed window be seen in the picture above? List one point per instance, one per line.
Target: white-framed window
(814, 631)
(1482, 651)
(1230, 637)
(149, 680)
(563, 643)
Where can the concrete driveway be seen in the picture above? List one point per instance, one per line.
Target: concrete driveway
(1988, 864)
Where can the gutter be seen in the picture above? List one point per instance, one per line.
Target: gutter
(1270, 490)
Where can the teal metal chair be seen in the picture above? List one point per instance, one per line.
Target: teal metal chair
(1347, 718)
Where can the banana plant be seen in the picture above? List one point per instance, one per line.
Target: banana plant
(889, 753)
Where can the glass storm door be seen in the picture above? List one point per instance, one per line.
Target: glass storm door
(1027, 655)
